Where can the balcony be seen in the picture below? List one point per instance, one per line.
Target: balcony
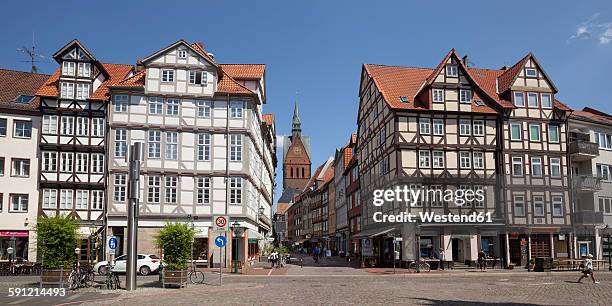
(587, 183)
(588, 217)
(581, 150)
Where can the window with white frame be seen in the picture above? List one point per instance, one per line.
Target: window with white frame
(478, 160)
(68, 68)
(235, 190)
(66, 199)
(182, 53)
(97, 199)
(538, 206)
(519, 98)
(478, 128)
(451, 70)
(546, 100)
(516, 131)
(67, 125)
(154, 189)
(2, 127)
(97, 127)
(23, 129)
(121, 103)
(49, 200)
(424, 126)
(236, 109)
(464, 127)
(557, 206)
(464, 189)
(172, 145)
(535, 132)
(203, 190)
(154, 144)
(555, 167)
(49, 161)
(49, 124)
(553, 133)
(438, 127)
(20, 167)
(204, 147)
(82, 126)
(236, 147)
(167, 76)
(1, 166)
(438, 159)
(84, 69)
(82, 162)
(66, 90)
(465, 96)
(120, 142)
(424, 159)
(82, 91)
(97, 163)
(532, 99)
(170, 192)
(438, 95)
(604, 171)
(172, 107)
(82, 199)
(436, 195)
(517, 166)
(204, 77)
(19, 203)
(536, 166)
(193, 77)
(120, 188)
(156, 105)
(204, 107)
(603, 140)
(67, 160)
(465, 160)
(531, 72)
(519, 205)
(605, 205)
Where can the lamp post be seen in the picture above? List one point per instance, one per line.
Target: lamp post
(238, 230)
(418, 242)
(77, 251)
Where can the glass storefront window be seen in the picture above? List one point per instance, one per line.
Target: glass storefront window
(21, 248)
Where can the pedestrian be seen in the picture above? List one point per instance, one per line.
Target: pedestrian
(273, 258)
(482, 260)
(441, 266)
(315, 253)
(587, 269)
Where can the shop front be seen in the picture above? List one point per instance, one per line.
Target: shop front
(18, 241)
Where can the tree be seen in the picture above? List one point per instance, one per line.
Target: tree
(176, 239)
(58, 239)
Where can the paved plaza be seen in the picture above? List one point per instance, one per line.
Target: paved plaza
(332, 283)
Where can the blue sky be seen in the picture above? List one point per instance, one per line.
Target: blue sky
(317, 48)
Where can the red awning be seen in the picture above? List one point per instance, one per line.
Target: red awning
(13, 233)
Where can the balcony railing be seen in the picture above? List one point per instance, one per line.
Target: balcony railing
(588, 217)
(587, 183)
(584, 148)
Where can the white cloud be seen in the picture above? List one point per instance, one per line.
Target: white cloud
(593, 27)
(279, 141)
(606, 37)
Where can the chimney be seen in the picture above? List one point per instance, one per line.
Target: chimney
(465, 60)
(139, 65)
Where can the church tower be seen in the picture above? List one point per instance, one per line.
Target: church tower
(296, 155)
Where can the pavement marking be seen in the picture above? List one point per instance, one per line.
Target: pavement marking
(270, 273)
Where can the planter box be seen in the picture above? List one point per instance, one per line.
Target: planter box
(175, 277)
(54, 276)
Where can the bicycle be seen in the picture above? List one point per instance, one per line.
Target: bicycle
(112, 279)
(81, 278)
(423, 266)
(195, 276)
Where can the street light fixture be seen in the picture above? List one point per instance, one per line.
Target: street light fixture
(77, 251)
(418, 241)
(238, 231)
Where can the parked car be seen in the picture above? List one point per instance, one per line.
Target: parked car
(145, 264)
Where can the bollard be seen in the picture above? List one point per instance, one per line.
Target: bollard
(301, 263)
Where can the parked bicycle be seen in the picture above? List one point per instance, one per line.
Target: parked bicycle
(422, 266)
(112, 278)
(82, 277)
(195, 276)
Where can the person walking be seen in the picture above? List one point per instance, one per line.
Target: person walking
(441, 265)
(587, 269)
(482, 261)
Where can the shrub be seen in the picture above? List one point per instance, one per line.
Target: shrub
(58, 239)
(176, 239)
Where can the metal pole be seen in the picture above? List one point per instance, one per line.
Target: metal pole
(609, 255)
(220, 268)
(132, 208)
(394, 247)
(418, 241)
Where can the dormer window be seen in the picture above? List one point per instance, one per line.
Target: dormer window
(84, 70)
(451, 70)
(530, 72)
(465, 96)
(182, 53)
(167, 76)
(68, 68)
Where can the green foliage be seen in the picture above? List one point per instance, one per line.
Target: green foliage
(283, 250)
(176, 239)
(57, 238)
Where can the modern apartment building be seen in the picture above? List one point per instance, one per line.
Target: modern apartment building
(590, 153)
(19, 132)
(209, 149)
(454, 127)
(73, 143)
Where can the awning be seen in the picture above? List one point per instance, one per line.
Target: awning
(373, 232)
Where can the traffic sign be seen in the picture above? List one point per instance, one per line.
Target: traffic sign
(221, 223)
(220, 241)
(111, 244)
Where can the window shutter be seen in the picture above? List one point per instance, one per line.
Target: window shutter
(204, 78)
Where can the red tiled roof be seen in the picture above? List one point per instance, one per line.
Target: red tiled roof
(348, 154)
(229, 85)
(313, 178)
(14, 83)
(137, 80)
(268, 118)
(117, 73)
(244, 71)
(590, 114)
(200, 49)
(509, 75)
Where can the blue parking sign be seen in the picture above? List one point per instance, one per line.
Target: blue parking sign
(220, 241)
(111, 244)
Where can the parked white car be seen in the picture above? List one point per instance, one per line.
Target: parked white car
(145, 264)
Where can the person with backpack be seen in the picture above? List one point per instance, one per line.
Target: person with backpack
(587, 269)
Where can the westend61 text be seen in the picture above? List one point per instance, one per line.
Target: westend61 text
(430, 217)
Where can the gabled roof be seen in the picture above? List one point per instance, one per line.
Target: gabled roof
(244, 71)
(15, 83)
(288, 194)
(509, 76)
(72, 43)
(195, 47)
(227, 84)
(136, 80)
(592, 115)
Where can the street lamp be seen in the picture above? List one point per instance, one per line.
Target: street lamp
(238, 230)
(77, 251)
(418, 241)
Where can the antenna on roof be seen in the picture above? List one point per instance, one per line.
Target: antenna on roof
(33, 55)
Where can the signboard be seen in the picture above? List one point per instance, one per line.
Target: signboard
(111, 244)
(398, 239)
(366, 248)
(220, 241)
(221, 223)
(13, 233)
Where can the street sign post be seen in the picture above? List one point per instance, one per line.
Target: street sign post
(221, 223)
(111, 244)
(221, 242)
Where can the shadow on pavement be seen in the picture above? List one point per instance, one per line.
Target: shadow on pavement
(431, 301)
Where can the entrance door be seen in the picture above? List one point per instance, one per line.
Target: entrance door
(455, 249)
(584, 248)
